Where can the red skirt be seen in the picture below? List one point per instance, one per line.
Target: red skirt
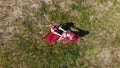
(50, 37)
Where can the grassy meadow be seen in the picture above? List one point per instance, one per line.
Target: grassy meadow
(24, 23)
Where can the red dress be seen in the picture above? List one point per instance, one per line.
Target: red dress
(51, 37)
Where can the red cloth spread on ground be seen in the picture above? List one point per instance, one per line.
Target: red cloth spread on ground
(50, 37)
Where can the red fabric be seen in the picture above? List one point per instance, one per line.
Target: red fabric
(74, 38)
(52, 26)
(50, 37)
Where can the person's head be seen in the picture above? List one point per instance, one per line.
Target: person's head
(57, 26)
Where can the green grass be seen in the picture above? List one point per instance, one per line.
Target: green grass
(58, 16)
(53, 55)
(116, 41)
(102, 1)
(28, 49)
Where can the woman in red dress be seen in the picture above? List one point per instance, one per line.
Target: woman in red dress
(55, 33)
(58, 33)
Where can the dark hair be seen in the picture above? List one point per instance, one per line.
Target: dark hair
(57, 26)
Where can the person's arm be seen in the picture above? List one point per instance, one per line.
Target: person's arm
(62, 29)
(55, 32)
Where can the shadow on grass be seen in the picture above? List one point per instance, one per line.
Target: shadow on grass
(80, 32)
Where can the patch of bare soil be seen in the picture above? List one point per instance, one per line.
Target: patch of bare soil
(12, 14)
(97, 6)
(108, 57)
(12, 10)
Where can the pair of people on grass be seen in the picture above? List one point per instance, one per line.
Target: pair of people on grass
(58, 30)
(58, 33)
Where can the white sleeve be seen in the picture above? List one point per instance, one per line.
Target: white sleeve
(62, 29)
(55, 32)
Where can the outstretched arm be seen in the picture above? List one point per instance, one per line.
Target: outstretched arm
(62, 29)
(55, 32)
